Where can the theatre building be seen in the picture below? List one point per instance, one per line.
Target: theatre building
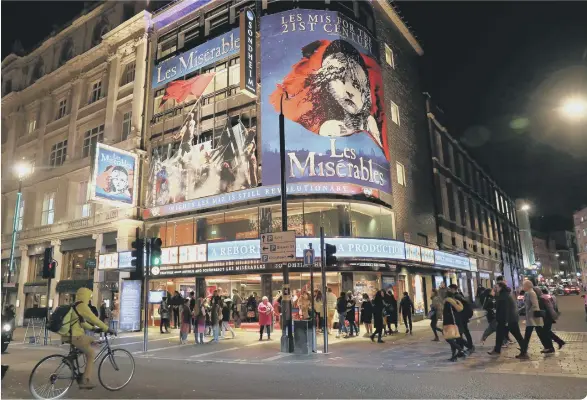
(357, 153)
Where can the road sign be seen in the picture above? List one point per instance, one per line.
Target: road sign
(308, 257)
(278, 247)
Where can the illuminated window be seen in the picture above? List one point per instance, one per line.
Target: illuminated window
(401, 173)
(129, 73)
(62, 109)
(32, 125)
(48, 214)
(91, 137)
(394, 113)
(389, 56)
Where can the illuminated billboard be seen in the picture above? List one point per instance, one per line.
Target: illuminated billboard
(323, 68)
(114, 176)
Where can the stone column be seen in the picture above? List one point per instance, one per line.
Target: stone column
(111, 133)
(22, 278)
(72, 151)
(139, 88)
(57, 256)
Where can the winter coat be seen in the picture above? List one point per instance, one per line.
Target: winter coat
(186, 314)
(531, 303)
(265, 312)
(378, 307)
(390, 308)
(164, 310)
(350, 309)
(341, 305)
(215, 314)
(366, 312)
(551, 315)
(406, 306)
(488, 306)
(436, 304)
(450, 312)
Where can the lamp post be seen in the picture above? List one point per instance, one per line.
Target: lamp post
(22, 170)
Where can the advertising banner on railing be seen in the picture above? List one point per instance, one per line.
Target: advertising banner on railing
(321, 69)
(114, 176)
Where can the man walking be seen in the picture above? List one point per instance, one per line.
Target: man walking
(506, 315)
(406, 308)
(236, 307)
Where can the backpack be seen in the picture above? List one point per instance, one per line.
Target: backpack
(467, 312)
(56, 319)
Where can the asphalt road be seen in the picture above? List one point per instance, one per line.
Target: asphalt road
(404, 367)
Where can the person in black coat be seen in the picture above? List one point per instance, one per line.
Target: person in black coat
(350, 314)
(367, 313)
(450, 316)
(489, 307)
(390, 310)
(406, 308)
(378, 308)
(506, 316)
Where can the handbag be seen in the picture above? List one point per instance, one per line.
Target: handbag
(539, 314)
(250, 314)
(451, 331)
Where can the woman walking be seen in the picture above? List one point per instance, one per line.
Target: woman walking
(390, 310)
(199, 320)
(215, 318)
(378, 309)
(226, 318)
(549, 319)
(533, 320)
(341, 310)
(350, 314)
(450, 327)
(265, 317)
(367, 314)
(435, 310)
(186, 322)
(319, 309)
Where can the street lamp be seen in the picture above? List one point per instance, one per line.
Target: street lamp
(574, 108)
(525, 207)
(22, 169)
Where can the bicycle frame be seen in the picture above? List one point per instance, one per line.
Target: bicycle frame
(74, 352)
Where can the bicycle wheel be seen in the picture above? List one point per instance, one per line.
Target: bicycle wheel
(116, 369)
(51, 378)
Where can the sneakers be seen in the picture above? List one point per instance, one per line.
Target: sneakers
(493, 353)
(523, 356)
(87, 385)
(547, 351)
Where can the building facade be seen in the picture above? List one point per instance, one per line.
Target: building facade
(546, 255)
(566, 250)
(475, 216)
(83, 85)
(580, 223)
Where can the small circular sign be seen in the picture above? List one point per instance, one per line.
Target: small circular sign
(250, 15)
(155, 270)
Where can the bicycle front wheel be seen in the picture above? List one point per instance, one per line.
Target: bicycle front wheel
(116, 369)
(51, 378)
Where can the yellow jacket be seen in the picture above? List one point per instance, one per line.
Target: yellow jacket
(71, 322)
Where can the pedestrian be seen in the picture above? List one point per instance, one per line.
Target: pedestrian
(550, 318)
(208, 311)
(104, 312)
(265, 317)
(378, 309)
(450, 329)
(236, 307)
(226, 307)
(442, 290)
(251, 308)
(330, 309)
(164, 314)
(319, 309)
(534, 316)
(199, 315)
(176, 303)
(341, 310)
(390, 312)
(305, 305)
(215, 319)
(406, 308)
(114, 318)
(489, 307)
(350, 314)
(507, 318)
(186, 321)
(465, 316)
(192, 301)
(435, 310)
(367, 314)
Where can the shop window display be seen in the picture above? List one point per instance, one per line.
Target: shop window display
(418, 292)
(74, 264)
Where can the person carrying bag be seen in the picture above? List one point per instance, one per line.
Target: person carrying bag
(450, 328)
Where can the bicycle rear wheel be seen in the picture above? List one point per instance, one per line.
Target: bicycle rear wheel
(51, 378)
(116, 369)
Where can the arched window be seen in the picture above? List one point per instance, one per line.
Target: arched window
(39, 70)
(67, 52)
(100, 30)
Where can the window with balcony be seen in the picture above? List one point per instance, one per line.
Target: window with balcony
(48, 213)
(62, 109)
(129, 73)
(58, 154)
(96, 92)
(91, 137)
(126, 125)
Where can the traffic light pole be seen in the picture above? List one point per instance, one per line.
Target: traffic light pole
(327, 323)
(146, 270)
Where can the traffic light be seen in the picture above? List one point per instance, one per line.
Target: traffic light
(137, 253)
(49, 264)
(330, 254)
(156, 252)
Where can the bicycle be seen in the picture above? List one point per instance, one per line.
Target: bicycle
(68, 369)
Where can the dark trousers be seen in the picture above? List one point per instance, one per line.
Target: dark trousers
(435, 329)
(455, 346)
(502, 331)
(261, 332)
(378, 330)
(546, 341)
(164, 323)
(351, 325)
(408, 321)
(464, 328)
(553, 337)
(175, 317)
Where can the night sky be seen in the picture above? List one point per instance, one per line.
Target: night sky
(498, 70)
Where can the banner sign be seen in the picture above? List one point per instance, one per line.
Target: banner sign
(413, 252)
(114, 176)
(451, 260)
(213, 50)
(427, 255)
(192, 253)
(323, 68)
(357, 247)
(108, 261)
(238, 250)
(248, 52)
(130, 306)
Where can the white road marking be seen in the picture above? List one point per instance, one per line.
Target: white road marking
(214, 352)
(159, 349)
(259, 342)
(277, 357)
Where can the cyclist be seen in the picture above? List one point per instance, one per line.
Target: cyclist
(81, 317)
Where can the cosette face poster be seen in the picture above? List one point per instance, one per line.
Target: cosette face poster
(323, 68)
(114, 176)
